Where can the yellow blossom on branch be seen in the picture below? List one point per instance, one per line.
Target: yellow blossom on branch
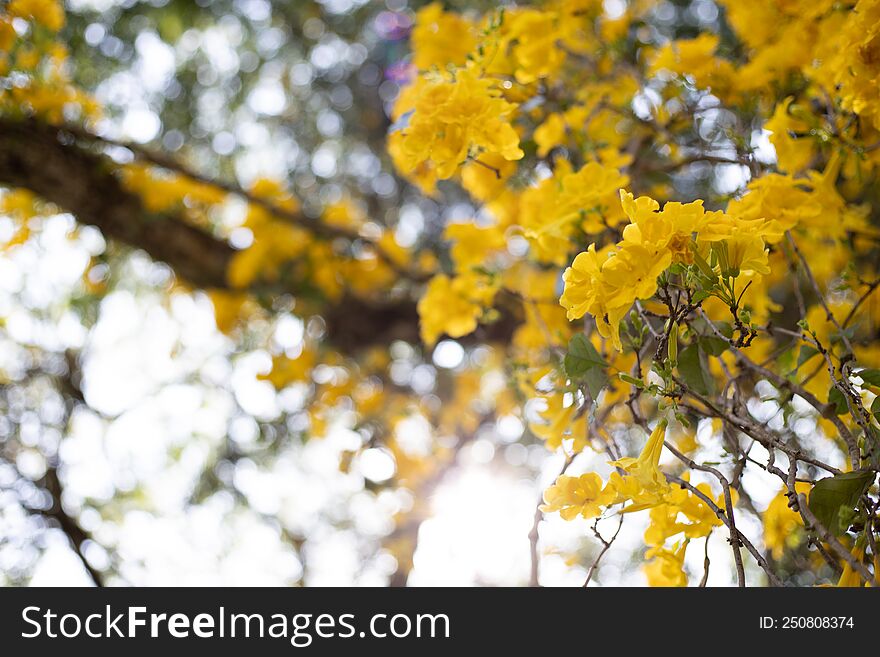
(456, 116)
(582, 496)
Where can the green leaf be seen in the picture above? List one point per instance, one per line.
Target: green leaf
(871, 377)
(837, 338)
(694, 369)
(875, 408)
(833, 499)
(584, 363)
(836, 398)
(725, 329)
(713, 346)
(581, 357)
(704, 266)
(596, 379)
(806, 353)
(638, 383)
(672, 343)
(785, 361)
(872, 443)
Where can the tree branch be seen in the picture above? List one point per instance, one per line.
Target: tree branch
(48, 161)
(68, 524)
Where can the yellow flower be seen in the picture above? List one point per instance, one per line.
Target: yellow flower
(453, 305)
(790, 137)
(646, 468)
(455, 118)
(629, 489)
(642, 482)
(287, 370)
(859, 68)
(472, 245)
(440, 38)
(666, 567)
(696, 59)
(486, 177)
(664, 523)
(576, 496)
(702, 518)
(671, 229)
(561, 424)
(782, 525)
(632, 272)
(48, 13)
(550, 134)
(775, 203)
(665, 518)
(583, 281)
(230, 308)
(551, 212)
(746, 254)
(850, 577)
(535, 34)
(605, 284)
(19, 202)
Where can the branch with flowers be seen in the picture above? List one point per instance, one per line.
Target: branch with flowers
(687, 321)
(690, 321)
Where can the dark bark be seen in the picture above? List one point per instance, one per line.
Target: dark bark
(67, 523)
(59, 168)
(44, 160)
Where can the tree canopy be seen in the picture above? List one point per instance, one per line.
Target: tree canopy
(623, 251)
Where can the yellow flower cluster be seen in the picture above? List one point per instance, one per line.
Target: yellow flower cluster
(858, 74)
(21, 206)
(48, 13)
(275, 242)
(42, 87)
(666, 567)
(440, 38)
(520, 42)
(453, 306)
(695, 59)
(582, 496)
(607, 282)
(164, 191)
(832, 43)
(642, 483)
(552, 211)
(561, 421)
(455, 116)
(460, 105)
(782, 524)
(282, 249)
(592, 123)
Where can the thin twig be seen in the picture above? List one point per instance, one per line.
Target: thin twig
(606, 545)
